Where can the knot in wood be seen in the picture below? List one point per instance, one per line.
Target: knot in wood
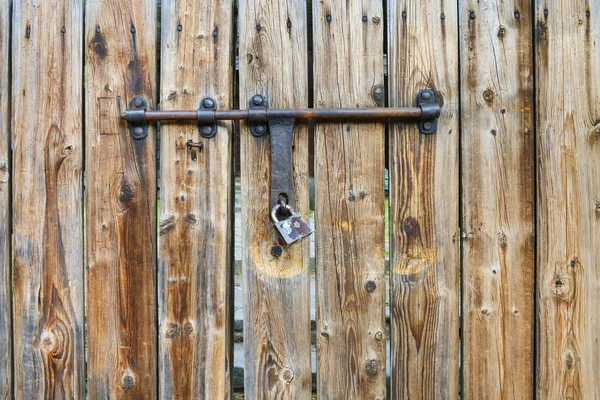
(488, 97)
(189, 328)
(501, 32)
(287, 375)
(49, 342)
(502, 239)
(128, 382)
(372, 367)
(172, 330)
(370, 286)
(561, 288)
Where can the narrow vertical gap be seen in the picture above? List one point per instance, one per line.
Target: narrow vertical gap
(10, 198)
(460, 214)
(157, 193)
(535, 210)
(84, 193)
(387, 206)
(237, 359)
(311, 182)
(234, 374)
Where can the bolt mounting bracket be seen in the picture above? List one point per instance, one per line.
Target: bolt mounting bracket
(431, 110)
(206, 121)
(138, 124)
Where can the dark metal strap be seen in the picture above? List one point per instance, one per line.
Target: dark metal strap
(282, 174)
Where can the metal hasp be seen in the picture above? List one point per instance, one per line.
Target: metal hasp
(279, 124)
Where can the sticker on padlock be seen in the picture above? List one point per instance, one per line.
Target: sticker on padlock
(292, 228)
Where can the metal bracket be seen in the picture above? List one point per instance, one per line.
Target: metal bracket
(137, 123)
(257, 115)
(282, 175)
(430, 109)
(208, 124)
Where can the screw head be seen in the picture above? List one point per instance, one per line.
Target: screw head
(206, 129)
(138, 131)
(209, 103)
(260, 129)
(258, 100)
(98, 47)
(63, 29)
(329, 18)
(138, 102)
(179, 28)
(427, 125)
(426, 95)
(365, 18)
(472, 15)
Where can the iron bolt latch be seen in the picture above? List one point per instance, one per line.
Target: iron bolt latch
(279, 124)
(259, 113)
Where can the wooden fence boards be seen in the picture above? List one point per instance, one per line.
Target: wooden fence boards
(276, 281)
(5, 229)
(195, 332)
(121, 213)
(349, 201)
(498, 199)
(424, 262)
(47, 197)
(567, 44)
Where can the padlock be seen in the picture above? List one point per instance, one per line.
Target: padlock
(292, 228)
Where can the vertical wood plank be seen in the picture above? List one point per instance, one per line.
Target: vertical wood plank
(47, 198)
(195, 359)
(276, 280)
(5, 231)
(120, 41)
(567, 44)
(423, 53)
(497, 198)
(349, 202)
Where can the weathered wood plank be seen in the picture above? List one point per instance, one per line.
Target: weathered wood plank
(47, 198)
(423, 53)
(120, 42)
(5, 266)
(567, 44)
(276, 282)
(349, 202)
(497, 199)
(195, 359)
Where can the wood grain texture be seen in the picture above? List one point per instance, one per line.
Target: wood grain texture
(497, 199)
(276, 281)
(349, 202)
(47, 198)
(567, 44)
(5, 227)
(423, 53)
(121, 211)
(195, 332)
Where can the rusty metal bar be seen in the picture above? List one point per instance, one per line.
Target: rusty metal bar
(414, 113)
(258, 114)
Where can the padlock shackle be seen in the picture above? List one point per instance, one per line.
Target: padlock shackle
(277, 207)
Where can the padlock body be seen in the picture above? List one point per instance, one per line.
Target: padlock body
(293, 228)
